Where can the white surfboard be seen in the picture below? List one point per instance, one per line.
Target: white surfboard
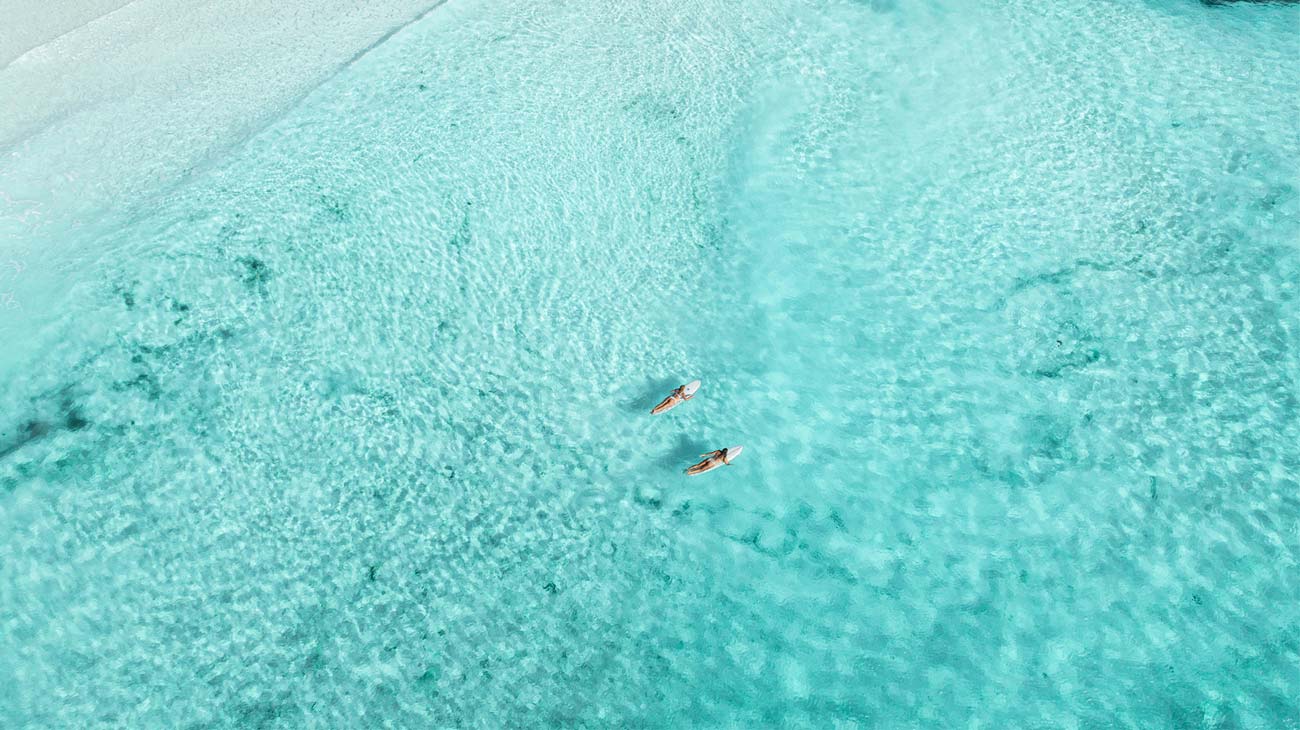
(732, 453)
(673, 400)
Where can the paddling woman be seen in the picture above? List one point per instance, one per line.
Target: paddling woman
(714, 459)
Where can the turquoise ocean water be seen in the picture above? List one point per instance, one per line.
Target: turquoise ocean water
(348, 427)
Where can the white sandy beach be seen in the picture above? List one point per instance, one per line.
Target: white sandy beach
(104, 97)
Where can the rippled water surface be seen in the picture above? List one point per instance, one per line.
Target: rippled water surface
(347, 428)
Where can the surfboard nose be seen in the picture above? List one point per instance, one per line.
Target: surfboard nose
(691, 387)
(734, 451)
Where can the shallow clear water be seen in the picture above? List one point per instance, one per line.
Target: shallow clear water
(349, 428)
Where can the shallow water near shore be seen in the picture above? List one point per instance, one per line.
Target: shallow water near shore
(348, 428)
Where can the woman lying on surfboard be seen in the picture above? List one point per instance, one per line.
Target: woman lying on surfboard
(679, 396)
(715, 459)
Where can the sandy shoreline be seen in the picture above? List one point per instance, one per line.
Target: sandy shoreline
(114, 98)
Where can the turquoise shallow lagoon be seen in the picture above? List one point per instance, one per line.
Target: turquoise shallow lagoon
(346, 426)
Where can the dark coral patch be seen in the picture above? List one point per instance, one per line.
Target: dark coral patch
(255, 273)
